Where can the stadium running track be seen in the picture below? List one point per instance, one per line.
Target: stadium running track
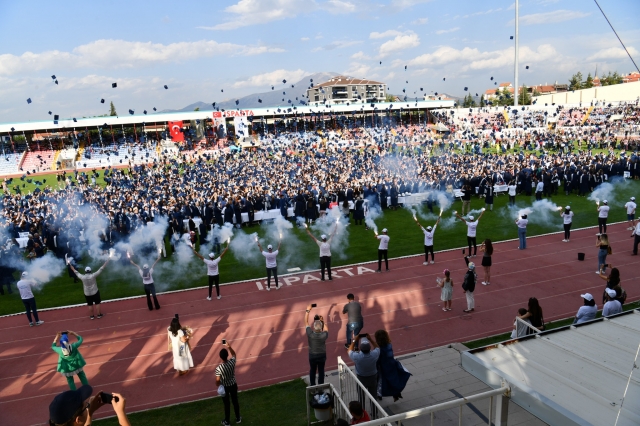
(126, 351)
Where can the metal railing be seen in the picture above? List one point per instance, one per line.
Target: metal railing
(351, 389)
(524, 328)
(500, 413)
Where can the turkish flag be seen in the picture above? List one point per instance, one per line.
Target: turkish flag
(175, 128)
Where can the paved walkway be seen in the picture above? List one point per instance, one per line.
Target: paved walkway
(439, 377)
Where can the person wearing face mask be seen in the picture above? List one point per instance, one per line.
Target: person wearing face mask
(147, 279)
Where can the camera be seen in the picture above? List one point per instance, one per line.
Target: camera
(107, 398)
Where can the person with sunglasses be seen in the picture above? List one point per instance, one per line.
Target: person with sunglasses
(76, 407)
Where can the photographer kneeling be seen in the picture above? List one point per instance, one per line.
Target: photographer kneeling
(76, 407)
(317, 338)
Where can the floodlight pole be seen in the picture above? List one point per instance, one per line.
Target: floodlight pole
(515, 68)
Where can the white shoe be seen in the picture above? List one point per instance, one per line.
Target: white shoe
(219, 297)
(278, 287)
(208, 298)
(564, 241)
(433, 261)
(598, 272)
(425, 263)
(268, 288)
(40, 322)
(483, 283)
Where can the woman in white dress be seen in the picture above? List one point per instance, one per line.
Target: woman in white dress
(179, 344)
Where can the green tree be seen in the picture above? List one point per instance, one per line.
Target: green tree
(524, 98)
(482, 100)
(575, 82)
(468, 101)
(389, 98)
(112, 108)
(197, 109)
(589, 83)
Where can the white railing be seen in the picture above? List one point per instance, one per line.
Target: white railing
(501, 409)
(352, 390)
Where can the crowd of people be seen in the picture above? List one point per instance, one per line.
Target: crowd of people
(309, 172)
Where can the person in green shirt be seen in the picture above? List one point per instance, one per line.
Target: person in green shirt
(70, 360)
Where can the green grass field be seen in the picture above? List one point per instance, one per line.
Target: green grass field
(283, 404)
(121, 279)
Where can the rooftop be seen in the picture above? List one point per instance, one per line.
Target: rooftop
(342, 80)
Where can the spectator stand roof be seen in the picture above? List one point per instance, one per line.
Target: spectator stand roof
(575, 375)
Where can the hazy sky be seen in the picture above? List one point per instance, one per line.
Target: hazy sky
(198, 48)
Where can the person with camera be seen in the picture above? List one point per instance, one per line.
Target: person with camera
(317, 338)
(70, 360)
(76, 407)
(226, 377)
(365, 362)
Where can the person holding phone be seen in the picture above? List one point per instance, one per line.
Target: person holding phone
(70, 360)
(147, 280)
(226, 376)
(355, 321)
(317, 338)
(76, 407)
(365, 361)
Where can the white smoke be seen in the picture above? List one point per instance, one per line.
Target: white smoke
(540, 212)
(333, 220)
(44, 269)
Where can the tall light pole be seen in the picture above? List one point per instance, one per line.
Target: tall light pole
(515, 68)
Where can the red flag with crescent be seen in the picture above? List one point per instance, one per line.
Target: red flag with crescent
(175, 128)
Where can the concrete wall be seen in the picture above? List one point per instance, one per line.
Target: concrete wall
(617, 92)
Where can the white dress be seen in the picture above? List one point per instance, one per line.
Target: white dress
(182, 360)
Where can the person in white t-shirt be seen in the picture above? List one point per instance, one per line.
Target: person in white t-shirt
(147, 279)
(567, 218)
(603, 214)
(272, 264)
(428, 241)
(28, 299)
(325, 251)
(511, 189)
(212, 270)
(631, 212)
(612, 306)
(383, 249)
(522, 222)
(472, 227)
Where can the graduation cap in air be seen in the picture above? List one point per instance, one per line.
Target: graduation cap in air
(213, 105)
(292, 85)
(527, 67)
(53, 77)
(444, 78)
(491, 78)
(50, 112)
(466, 88)
(510, 37)
(131, 111)
(144, 112)
(495, 83)
(284, 93)
(114, 85)
(75, 121)
(271, 87)
(237, 102)
(55, 117)
(166, 87)
(259, 100)
(284, 81)
(421, 89)
(436, 93)
(28, 100)
(101, 101)
(222, 90)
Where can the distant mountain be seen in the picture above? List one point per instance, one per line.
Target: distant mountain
(269, 99)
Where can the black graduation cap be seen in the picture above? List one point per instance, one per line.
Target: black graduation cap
(237, 102)
(292, 85)
(436, 93)
(495, 83)
(511, 38)
(50, 113)
(28, 100)
(101, 101)
(444, 78)
(55, 81)
(75, 121)
(466, 88)
(114, 85)
(222, 90)
(55, 117)
(166, 87)
(421, 89)
(491, 78)
(131, 111)
(284, 81)
(53, 77)
(13, 129)
(213, 105)
(144, 112)
(527, 67)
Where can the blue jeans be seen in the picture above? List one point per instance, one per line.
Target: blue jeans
(602, 260)
(353, 328)
(30, 305)
(522, 236)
